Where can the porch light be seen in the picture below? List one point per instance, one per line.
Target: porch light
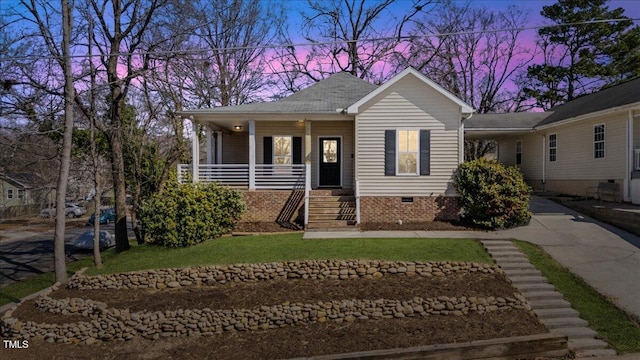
(237, 127)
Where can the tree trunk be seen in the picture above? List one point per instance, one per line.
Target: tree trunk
(122, 240)
(97, 258)
(65, 161)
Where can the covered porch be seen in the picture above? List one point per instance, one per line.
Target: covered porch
(274, 155)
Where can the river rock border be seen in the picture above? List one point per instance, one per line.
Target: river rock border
(310, 269)
(105, 323)
(120, 324)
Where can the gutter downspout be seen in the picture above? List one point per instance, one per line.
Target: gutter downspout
(544, 163)
(630, 157)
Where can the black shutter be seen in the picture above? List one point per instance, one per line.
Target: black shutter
(297, 150)
(425, 152)
(267, 147)
(390, 152)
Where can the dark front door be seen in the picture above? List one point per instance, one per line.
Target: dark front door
(330, 162)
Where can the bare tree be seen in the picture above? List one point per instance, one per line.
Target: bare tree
(65, 163)
(474, 57)
(356, 36)
(120, 40)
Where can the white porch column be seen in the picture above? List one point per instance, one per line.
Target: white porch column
(307, 169)
(252, 155)
(209, 145)
(195, 151)
(218, 147)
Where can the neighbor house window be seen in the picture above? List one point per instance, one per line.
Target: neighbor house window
(598, 141)
(282, 150)
(553, 147)
(9, 193)
(408, 151)
(20, 194)
(518, 152)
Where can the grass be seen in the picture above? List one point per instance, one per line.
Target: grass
(255, 249)
(614, 325)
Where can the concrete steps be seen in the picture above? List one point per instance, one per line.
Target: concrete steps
(548, 304)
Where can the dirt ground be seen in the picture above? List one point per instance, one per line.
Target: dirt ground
(291, 341)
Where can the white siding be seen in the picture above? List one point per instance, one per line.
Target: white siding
(408, 104)
(531, 166)
(575, 151)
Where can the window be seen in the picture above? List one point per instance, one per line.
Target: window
(20, 194)
(407, 152)
(518, 152)
(598, 141)
(282, 150)
(9, 193)
(553, 147)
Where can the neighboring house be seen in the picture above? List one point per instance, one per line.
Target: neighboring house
(576, 146)
(21, 189)
(339, 152)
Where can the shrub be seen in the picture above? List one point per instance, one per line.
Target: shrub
(492, 195)
(186, 214)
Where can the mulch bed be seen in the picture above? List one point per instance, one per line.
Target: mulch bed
(292, 341)
(425, 225)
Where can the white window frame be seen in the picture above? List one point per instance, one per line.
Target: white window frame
(603, 141)
(554, 147)
(398, 152)
(273, 147)
(518, 152)
(9, 193)
(22, 194)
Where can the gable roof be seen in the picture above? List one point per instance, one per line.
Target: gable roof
(354, 109)
(335, 92)
(625, 94)
(20, 180)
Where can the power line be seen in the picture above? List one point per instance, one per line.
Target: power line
(399, 39)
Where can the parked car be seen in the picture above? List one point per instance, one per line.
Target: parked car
(106, 216)
(70, 210)
(85, 241)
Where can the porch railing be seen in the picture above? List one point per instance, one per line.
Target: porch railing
(277, 177)
(636, 159)
(282, 177)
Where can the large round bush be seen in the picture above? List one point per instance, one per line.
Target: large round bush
(492, 195)
(186, 214)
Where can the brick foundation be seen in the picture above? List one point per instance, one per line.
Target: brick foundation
(390, 209)
(274, 206)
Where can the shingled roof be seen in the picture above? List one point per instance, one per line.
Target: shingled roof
(620, 95)
(336, 92)
(518, 120)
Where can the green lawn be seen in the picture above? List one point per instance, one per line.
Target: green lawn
(271, 248)
(613, 324)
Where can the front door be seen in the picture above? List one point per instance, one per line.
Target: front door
(330, 162)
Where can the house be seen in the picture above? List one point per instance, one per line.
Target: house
(340, 152)
(574, 147)
(20, 190)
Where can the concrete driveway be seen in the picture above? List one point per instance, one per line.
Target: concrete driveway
(606, 257)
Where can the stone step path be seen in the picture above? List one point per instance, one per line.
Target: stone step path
(547, 303)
